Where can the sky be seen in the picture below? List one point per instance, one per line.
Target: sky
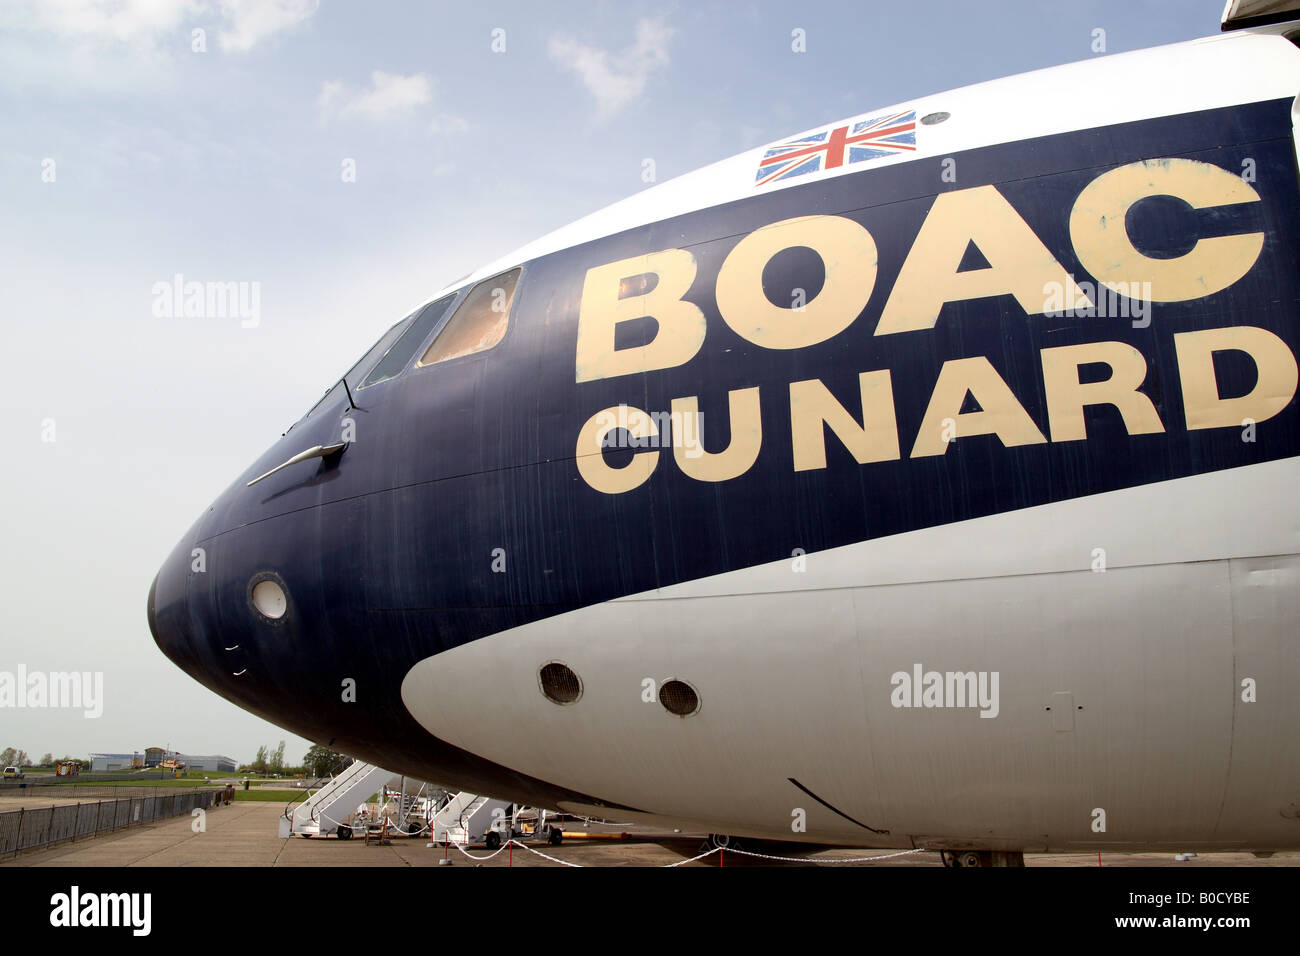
(346, 161)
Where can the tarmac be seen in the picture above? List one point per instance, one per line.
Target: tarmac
(245, 834)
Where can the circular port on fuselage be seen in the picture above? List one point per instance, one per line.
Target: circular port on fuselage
(267, 597)
(679, 698)
(559, 683)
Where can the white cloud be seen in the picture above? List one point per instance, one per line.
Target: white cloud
(107, 47)
(615, 80)
(247, 22)
(143, 24)
(389, 95)
(136, 22)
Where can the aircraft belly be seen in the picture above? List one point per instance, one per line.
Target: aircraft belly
(1118, 689)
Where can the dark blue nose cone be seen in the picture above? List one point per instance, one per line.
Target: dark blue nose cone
(168, 608)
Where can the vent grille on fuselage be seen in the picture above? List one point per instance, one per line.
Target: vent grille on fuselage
(559, 683)
(679, 697)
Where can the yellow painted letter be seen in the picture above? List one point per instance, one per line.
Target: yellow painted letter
(813, 408)
(1067, 396)
(681, 324)
(1001, 415)
(1275, 383)
(590, 450)
(1101, 240)
(848, 254)
(1019, 264)
(739, 455)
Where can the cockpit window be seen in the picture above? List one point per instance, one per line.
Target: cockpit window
(359, 368)
(401, 351)
(376, 350)
(479, 323)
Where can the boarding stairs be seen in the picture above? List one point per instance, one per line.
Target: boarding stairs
(465, 818)
(409, 812)
(406, 807)
(324, 810)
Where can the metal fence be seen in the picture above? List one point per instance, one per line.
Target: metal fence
(31, 829)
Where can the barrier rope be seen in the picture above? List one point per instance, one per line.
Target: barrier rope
(394, 828)
(695, 859)
(481, 858)
(804, 859)
(717, 849)
(544, 856)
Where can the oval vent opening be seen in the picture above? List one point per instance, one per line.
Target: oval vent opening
(679, 697)
(559, 683)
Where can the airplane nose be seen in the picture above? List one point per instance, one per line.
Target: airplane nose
(149, 610)
(168, 607)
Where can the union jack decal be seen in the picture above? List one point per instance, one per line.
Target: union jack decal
(854, 143)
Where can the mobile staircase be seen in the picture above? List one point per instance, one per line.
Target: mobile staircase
(467, 818)
(323, 811)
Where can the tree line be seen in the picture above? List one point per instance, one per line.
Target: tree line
(13, 757)
(319, 761)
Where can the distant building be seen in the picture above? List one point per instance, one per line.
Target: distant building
(101, 763)
(210, 762)
(161, 758)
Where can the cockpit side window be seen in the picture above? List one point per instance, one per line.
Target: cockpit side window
(479, 323)
(401, 351)
(363, 363)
